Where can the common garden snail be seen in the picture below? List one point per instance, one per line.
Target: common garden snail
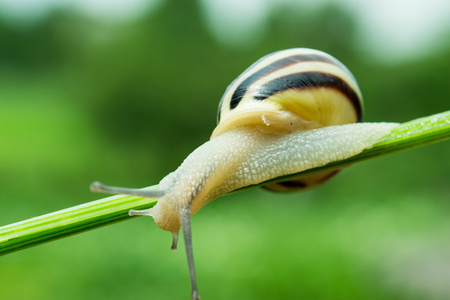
(290, 111)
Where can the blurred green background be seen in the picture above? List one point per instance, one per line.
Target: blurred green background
(125, 98)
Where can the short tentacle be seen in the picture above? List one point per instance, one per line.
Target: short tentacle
(143, 212)
(175, 240)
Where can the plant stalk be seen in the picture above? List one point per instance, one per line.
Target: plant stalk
(63, 223)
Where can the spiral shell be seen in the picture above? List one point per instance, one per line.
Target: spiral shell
(292, 90)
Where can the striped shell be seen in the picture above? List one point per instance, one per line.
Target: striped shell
(292, 90)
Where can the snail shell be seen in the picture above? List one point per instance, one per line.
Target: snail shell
(292, 90)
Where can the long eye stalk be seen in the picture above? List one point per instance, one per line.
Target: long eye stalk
(185, 219)
(101, 188)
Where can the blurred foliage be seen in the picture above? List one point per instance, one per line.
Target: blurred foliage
(84, 100)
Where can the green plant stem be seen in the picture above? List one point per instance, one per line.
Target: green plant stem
(108, 210)
(408, 135)
(68, 221)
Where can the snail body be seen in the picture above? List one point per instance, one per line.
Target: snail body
(290, 111)
(242, 157)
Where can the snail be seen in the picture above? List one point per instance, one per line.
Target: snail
(290, 111)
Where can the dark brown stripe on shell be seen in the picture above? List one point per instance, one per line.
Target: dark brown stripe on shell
(310, 80)
(276, 65)
(297, 184)
(219, 111)
(301, 183)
